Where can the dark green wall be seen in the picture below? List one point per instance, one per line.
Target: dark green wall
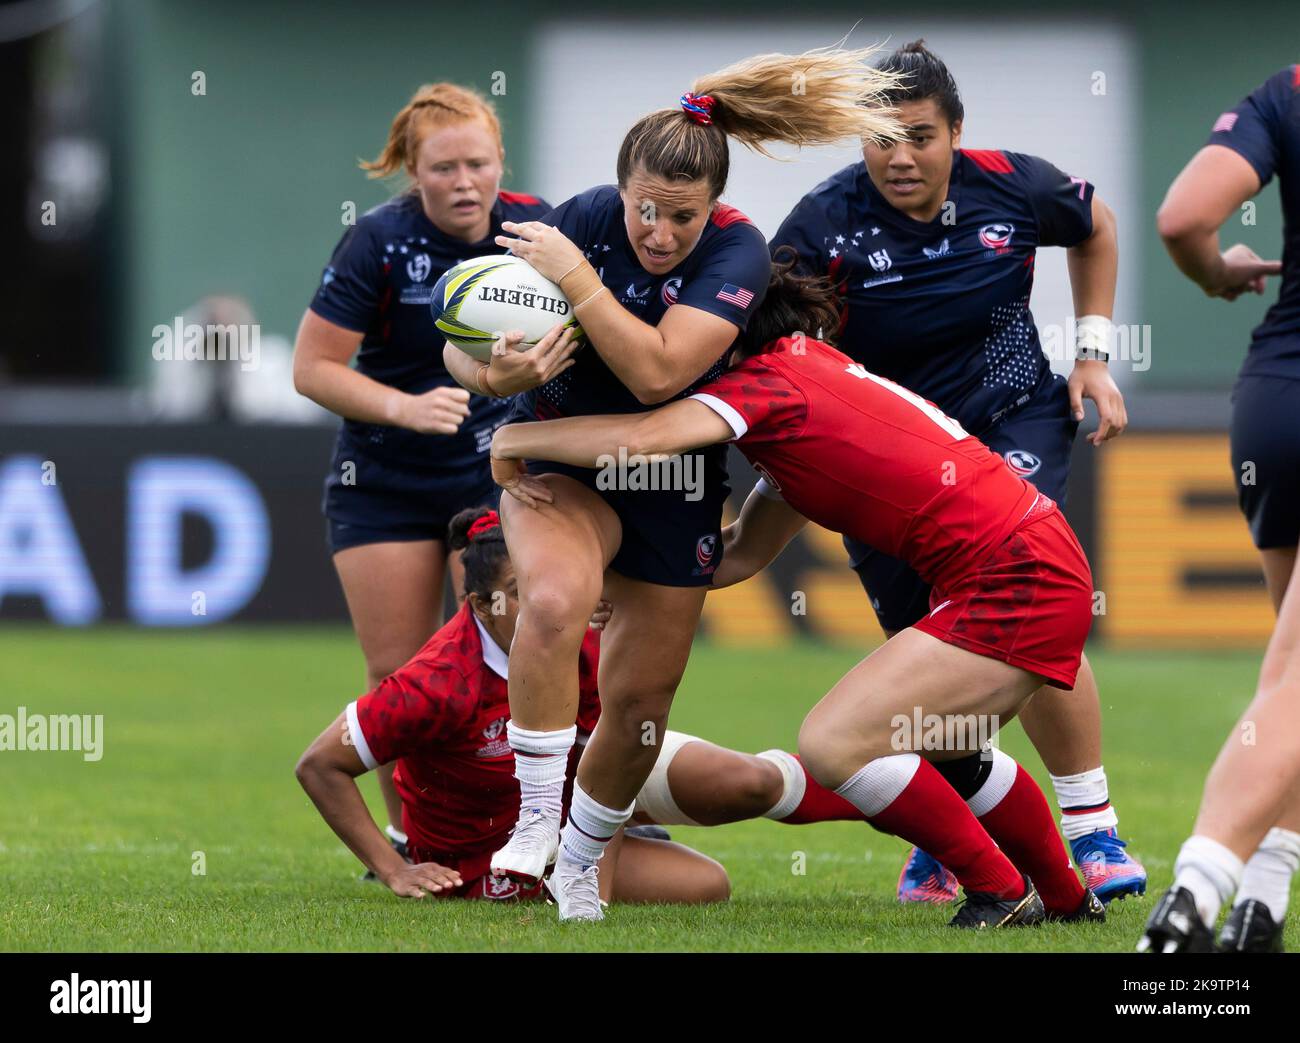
(240, 191)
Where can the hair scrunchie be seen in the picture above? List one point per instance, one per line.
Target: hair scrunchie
(484, 524)
(699, 107)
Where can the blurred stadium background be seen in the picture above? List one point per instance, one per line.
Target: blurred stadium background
(172, 162)
(177, 162)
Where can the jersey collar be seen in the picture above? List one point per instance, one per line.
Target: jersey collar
(493, 658)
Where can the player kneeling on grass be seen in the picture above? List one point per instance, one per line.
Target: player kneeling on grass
(1011, 602)
(442, 717)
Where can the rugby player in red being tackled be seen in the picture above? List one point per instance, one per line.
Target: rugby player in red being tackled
(442, 718)
(1010, 610)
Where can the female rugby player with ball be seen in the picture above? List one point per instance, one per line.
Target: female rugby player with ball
(932, 250)
(1233, 851)
(411, 450)
(662, 276)
(442, 716)
(1011, 602)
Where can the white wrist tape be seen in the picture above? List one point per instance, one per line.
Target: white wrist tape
(1092, 337)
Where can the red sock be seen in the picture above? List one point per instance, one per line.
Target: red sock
(930, 814)
(1023, 826)
(820, 804)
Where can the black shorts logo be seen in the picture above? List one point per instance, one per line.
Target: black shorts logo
(1022, 462)
(704, 549)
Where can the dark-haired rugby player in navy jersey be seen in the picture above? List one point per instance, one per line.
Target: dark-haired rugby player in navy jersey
(931, 248)
(412, 448)
(1247, 836)
(662, 277)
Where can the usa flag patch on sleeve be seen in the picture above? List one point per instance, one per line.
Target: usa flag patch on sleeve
(1224, 123)
(737, 295)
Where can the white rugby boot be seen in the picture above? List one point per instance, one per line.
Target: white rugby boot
(576, 891)
(532, 847)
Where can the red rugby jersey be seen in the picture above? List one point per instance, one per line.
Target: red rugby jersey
(443, 717)
(863, 456)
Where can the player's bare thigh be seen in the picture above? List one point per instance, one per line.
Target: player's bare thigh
(714, 785)
(563, 546)
(394, 594)
(911, 676)
(559, 551)
(663, 871)
(1256, 776)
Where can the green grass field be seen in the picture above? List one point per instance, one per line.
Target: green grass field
(201, 732)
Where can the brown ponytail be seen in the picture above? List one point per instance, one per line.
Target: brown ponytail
(795, 303)
(433, 106)
(816, 98)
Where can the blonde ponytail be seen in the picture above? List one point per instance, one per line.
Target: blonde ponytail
(819, 97)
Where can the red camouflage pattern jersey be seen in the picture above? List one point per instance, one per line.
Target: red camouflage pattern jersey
(443, 717)
(863, 456)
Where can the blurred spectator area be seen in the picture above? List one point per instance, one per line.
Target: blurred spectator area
(57, 278)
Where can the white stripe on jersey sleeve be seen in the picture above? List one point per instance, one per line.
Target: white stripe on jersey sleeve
(767, 490)
(738, 424)
(359, 738)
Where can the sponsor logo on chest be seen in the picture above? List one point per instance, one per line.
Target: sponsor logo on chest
(496, 744)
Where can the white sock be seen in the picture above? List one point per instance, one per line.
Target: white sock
(1001, 778)
(395, 834)
(590, 827)
(794, 784)
(1267, 876)
(541, 761)
(1084, 800)
(878, 783)
(1210, 871)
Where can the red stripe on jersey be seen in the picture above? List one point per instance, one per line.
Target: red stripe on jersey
(1295, 76)
(724, 216)
(517, 197)
(992, 160)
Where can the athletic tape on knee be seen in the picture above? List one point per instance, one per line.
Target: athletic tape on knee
(966, 774)
(997, 784)
(794, 784)
(655, 799)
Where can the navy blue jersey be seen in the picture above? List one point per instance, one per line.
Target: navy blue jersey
(380, 282)
(942, 306)
(726, 275)
(1265, 130)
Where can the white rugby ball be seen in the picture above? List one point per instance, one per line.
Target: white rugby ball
(475, 302)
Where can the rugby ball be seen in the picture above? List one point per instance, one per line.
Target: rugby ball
(475, 302)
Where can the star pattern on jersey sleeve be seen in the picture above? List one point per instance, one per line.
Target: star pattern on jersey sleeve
(1010, 356)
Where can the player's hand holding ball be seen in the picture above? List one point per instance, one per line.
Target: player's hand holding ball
(547, 249)
(440, 411)
(414, 881)
(514, 369)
